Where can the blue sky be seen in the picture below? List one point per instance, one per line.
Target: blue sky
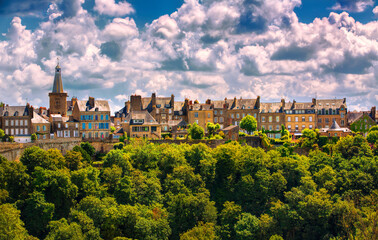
(110, 49)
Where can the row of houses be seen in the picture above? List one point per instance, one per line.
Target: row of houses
(150, 117)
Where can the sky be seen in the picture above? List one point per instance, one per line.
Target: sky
(196, 49)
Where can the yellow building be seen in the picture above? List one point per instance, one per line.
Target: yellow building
(140, 124)
(201, 114)
(299, 116)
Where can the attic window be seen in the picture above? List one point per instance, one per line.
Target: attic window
(327, 104)
(269, 111)
(16, 113)
(138, 121)
(96, 109)
(158, 105)
(167, 105)
(6, 113)
(263, 111)
(243, 107)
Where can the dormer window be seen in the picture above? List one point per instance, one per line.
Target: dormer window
(6, 114)
(96, 109)
(16, 113)
(167, 105)
(158, 105)
(243, 107)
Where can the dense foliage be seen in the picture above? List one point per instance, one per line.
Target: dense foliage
(149, 191)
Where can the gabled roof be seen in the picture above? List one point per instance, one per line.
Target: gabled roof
(100, 105)
(201, 107)
(299, 105)
(142, 115)
(14, 111)
(272, 107)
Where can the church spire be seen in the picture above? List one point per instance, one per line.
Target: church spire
(58, 84)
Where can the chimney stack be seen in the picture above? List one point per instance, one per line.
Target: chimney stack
(153, 100)
(208, 101)
(136, 102)
(91, 102)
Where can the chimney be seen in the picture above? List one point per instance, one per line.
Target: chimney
(257, 105)
(190, 102)
(283, 103)
(153, 100)
(208, 101)
(91, 102)
(40, 111)
(373, 113)
(73, 101)
(172, 103)
(344, 100)
(314, 101)
(293, 106)
(31, 110)
(136, 103)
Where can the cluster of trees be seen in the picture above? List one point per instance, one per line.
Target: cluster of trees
(167, 191)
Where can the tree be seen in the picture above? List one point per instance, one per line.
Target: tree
(195, 131)
(119, 158)
(212, 128)
(203, 231)
(112, 129)
(11, 226)
(34, 137)
(247, 227)
(63, 230)
(73, 160)
(35, 207)
(373, 128)
(88, 148)
(372, 136)
(249, 124)
(86, 157)
(2, 133)
(228, 217)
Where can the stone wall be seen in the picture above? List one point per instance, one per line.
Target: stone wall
(13, 151)
(253, 141)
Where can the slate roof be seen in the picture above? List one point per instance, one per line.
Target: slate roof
(272, 107)
(147, 118)
(102, 105)
(299, 105)
(354, 116)
(201, 107)
(330, 103)
(14, 111)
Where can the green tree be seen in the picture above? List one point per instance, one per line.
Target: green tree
(84, 154)
(88, 182)
(34, 137)
(33, 208)
(119, 158)
(372, 136)
(11, 226)
(309, 138)
(57, 188)
(200, 232)
(111, 177)
(228, 217)
(249, 124)
(373, 128)
(119, 145)
(73, 160)
(247, 227)
(61, 230)
(212, 128)
(2, 133)
(112, 129)
(195, 131)
(86, 224)
(88, 148)
(350, 147)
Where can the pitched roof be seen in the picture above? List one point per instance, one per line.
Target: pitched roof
(354, 116)
(270, 107)
(58, 84)
(144, 115)
(14, 111)
(100, 105)
(299, 105)
(330, 103)
(38, 119)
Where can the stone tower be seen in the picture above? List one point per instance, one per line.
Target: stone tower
(58, 98)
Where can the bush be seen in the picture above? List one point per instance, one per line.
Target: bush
(119, 145)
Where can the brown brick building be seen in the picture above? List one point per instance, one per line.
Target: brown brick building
(299, 116)
(16, 120)
(329, 110)
(272, 116)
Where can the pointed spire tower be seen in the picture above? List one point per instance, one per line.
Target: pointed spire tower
(58, 98)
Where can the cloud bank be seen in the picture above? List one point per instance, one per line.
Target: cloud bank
(207, 49)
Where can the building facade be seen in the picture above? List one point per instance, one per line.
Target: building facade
(16, 120)
(329, 110)
(272, 116)
(93, 117)
(299, 116)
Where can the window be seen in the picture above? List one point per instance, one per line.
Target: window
(270, 127)
(16, 131)
(26, 131)
(6, 131)
(83, 126)
(270, 118)
(342, 122)
(243, 115)
(21, 122)
(106, 117)
(277, 118)
(327, 120)
(216, 119)
(76, 125)
(289, 127)
(254, 115)
(16, 122)
(303, 119)
(319, 111)
(221, 119)
(6, 122)
(303, 126)
(89, 125)
(208, 115)
(310, 119)
(66, 125)
(21, 131)
(12, 123)
(196, 114)
(319, 120)
(289, 119)
(296, 127)
(296, 119)
(12, 131)
(237, 115)
(232, 115)
(196, 121)
(38, 128)
(326, 112)
(170, 111)
(102, 117)
(44, 128)
(342, 115)
(277, 127)
(221, 112)
(310, 126)
(262, 119)
(215, 112)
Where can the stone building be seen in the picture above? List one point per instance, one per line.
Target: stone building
(299, 116)
(272, 116)
(201, 114)
(64, 127)
(16, 120)
(329, 110)
(140, 124)
(94, 118)
(361, 121)
(58, 98)
(41, 127)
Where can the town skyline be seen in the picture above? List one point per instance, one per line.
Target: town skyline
(192, 49)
